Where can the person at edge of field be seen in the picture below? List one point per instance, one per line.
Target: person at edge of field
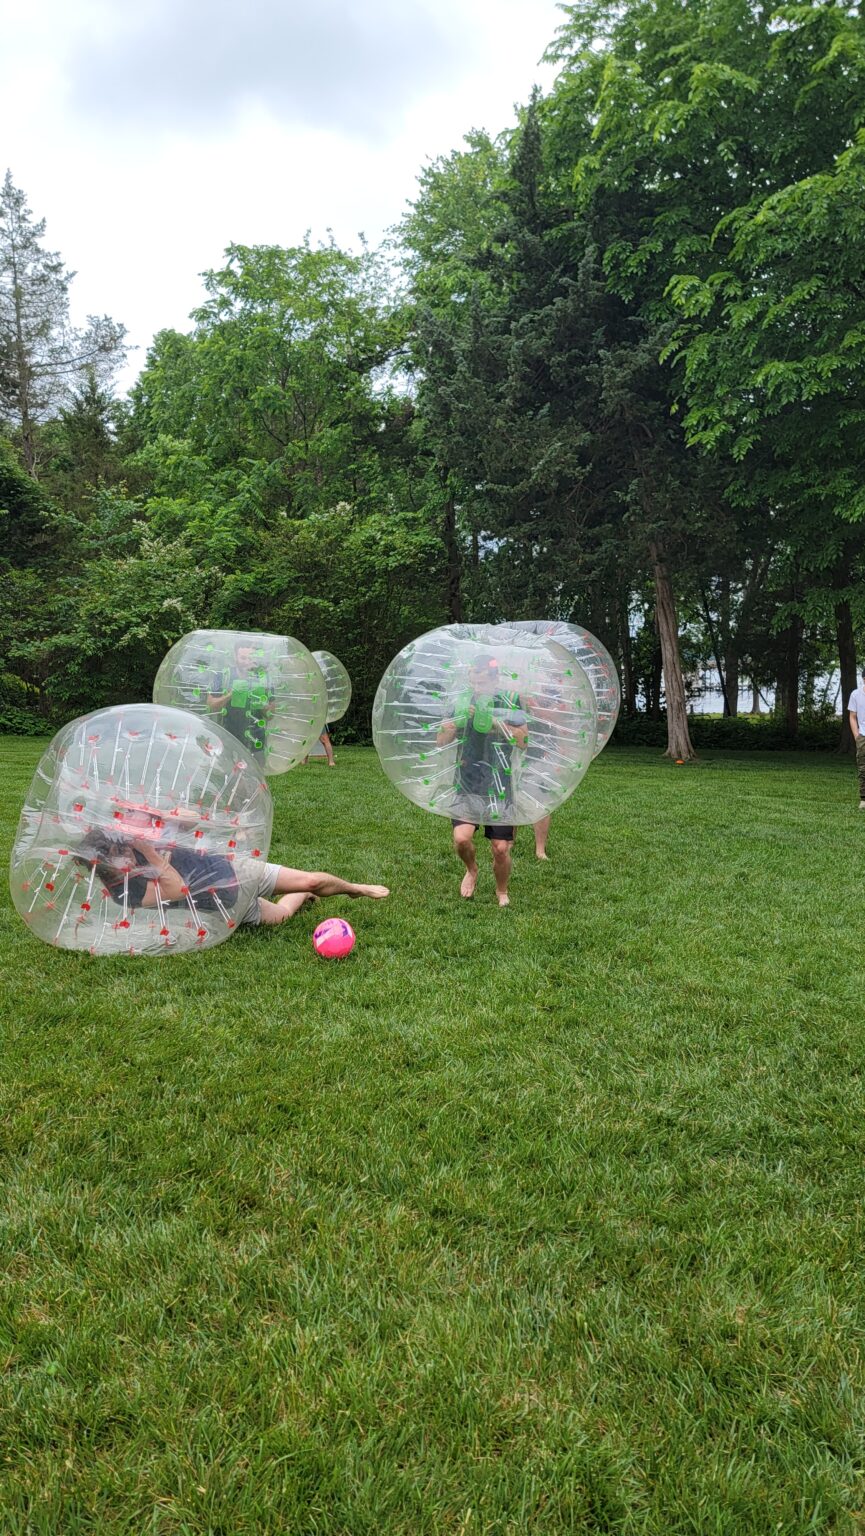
(326, 742)
(139, 871)
(856, 708)
(242, 703)
(549, 711)
(487, 738)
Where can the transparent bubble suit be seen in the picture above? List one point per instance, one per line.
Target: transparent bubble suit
(337, 682)
(483, 724)
(116, 795)
(596, 662)
(265, 690)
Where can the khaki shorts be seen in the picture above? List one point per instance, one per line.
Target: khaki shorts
(265, 878)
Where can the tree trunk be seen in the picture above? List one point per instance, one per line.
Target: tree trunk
(629, 682)
(453, 563)
(729, 648)
(731, 672)
(755, 699)
(791, 676)
(722, 681)
(653, 690)
(847, 658)
(678, 736)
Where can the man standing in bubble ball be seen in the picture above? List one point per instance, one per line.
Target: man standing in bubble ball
(242, 701)
(488, 724)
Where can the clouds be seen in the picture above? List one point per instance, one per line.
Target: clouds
(195, 65)
(150, 135)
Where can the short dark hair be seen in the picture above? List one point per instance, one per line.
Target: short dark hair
(484, 664)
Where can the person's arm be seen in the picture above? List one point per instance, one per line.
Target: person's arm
(515, 731)
(518, 734)
(854, 724)
(170, 883)
(446, 733)
(219, 700)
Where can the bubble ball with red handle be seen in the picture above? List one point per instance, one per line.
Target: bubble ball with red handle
(144, 832)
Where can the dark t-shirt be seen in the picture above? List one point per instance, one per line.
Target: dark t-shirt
(204, 873)
(484, 758)
(245, 714)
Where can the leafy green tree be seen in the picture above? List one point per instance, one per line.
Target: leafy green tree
(540, 392)
(773, 347)
(677, 123)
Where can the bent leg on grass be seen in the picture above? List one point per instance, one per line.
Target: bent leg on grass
(279, 911)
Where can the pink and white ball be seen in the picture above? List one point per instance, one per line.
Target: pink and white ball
(334, 939)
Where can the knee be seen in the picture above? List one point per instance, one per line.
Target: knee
(464, 836)
(501, 850)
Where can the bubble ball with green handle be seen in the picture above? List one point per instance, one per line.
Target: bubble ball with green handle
(483, 724)
(266, 690)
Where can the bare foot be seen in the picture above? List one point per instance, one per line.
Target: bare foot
(540, 854)
(469, 883)
(503, 898)
(377, 892)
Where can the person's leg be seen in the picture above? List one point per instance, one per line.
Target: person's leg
(502, 862)
(270, 912)
(542, 832)
(860, 768)
(319, 883)
(464, 847)
(328, 749)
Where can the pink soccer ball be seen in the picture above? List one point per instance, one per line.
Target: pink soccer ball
(334, 938)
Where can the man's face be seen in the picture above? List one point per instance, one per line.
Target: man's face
(484, 679)
(243, 657)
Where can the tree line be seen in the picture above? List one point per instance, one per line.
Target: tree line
(609, 367)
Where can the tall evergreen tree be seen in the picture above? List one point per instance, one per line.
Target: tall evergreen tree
(41, 354)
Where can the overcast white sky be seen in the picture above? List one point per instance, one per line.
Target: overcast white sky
(150, 133)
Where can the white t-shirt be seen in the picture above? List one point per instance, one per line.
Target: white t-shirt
(857, 707)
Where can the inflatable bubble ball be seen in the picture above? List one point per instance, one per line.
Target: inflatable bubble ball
(483, 724)
(265, 690)
(337, 682)
(596, 662)
(144, 832)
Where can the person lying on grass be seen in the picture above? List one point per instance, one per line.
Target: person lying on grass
(137, 871)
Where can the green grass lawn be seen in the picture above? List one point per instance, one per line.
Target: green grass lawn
(544, 1220)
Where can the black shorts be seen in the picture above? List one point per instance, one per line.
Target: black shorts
(501, 834)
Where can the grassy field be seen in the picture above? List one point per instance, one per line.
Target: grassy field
(545, 1220)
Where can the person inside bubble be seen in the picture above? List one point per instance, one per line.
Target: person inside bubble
(550, 716)
(137, 868)
(242, 701)
(488, 724)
